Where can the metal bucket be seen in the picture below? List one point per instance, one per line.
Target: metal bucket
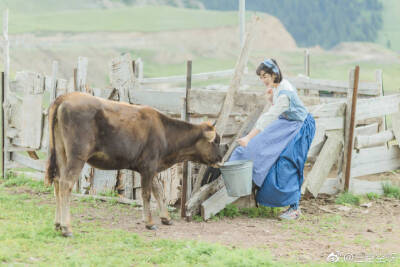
(237, 176)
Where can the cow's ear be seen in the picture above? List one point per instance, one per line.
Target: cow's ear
(210, 135)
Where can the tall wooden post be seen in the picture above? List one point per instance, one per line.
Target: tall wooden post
(306, 67)
(5, 92)
(186, 179)
(242, 21)
(2, 127)
(350, 124)
(379, 81)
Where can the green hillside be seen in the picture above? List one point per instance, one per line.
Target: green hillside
(45, 6)
(139, 19)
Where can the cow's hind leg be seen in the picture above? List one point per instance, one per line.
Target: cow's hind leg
(146, 181)
(162, 202)
(57, 221)
(66, 183)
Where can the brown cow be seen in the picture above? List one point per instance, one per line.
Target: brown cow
(111, 136)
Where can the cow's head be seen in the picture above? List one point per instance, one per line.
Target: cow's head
(208, 147)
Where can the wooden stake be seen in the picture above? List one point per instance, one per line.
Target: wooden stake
(242, 21)
(5, 91)
(2, 127)
(185, 116)
(351, 129)
(75, 79)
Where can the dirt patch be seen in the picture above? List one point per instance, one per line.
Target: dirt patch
(325, 227)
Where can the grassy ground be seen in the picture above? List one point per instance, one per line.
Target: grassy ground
(27, 237)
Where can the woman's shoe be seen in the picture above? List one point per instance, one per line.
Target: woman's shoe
(290, 214)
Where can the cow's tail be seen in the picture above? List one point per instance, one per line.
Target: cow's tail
(52, 168)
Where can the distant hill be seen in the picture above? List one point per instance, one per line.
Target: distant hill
(318, 22)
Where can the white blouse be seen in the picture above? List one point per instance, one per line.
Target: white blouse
(279, 105)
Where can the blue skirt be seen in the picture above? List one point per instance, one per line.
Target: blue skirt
(279, 154)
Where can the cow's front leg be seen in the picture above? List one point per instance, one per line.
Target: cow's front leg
(146, 181)
(158, 192)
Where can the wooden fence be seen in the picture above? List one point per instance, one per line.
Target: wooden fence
(26, 130)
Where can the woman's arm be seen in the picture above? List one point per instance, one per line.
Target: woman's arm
(282, 104)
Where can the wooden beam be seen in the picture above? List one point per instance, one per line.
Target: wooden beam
(195, 77)
(364, 141)
(375, 160)
(209, 102)
(328, 110)
(365, 88)
(326, 159)
(39, 165)
(121, 200)
(377, 107)
(193, 205)
(216, 203)
(369, 129)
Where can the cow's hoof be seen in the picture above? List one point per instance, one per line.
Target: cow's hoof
(57, 227)
(66, 232)
(151, 227)
(166, 221)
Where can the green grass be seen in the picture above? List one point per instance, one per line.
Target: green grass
(233, 211)
(348, 198)
(372, 196)
(390, 190)
(37, 186)
(127, 19)
(27, 238)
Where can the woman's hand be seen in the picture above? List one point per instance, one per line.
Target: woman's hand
(243, 141)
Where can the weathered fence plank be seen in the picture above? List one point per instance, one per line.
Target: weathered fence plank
(216, 203)
(365, 88)
(39, 165)
(375, 160)
(364, 141)
(122, 76)
(327, 157)
(30, 122)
